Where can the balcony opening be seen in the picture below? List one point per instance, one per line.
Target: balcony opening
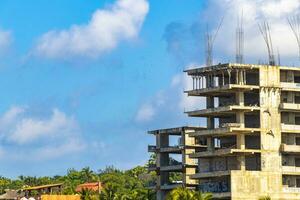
(175, 159)
(252, 141)
(226, 100)
(297, 99)
(227, 121)
(252, 162)
(225, 142)
(252, 78)
(201, 141)
(218, 164)
(252, 120)
(290, 118)
(284, 97)
(298, 182)
(297, 78)
(251, 99)
(175, 141)
(297, 140)
(215, 185)
(297, 162)
(297, 120)
(291, 181)
(175, 177)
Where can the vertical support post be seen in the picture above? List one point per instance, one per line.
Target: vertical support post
(223, 79)
(193, 83)
(229, 76)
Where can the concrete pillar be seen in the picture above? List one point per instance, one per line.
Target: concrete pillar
(239, 98)
(229, 76)
(193, 83)
(237, 76)
(291, 97)
(242, 163)
(240, 118)
(210, 144)
(240, 141)
(290, 76)
(223, 78)
(210, 120)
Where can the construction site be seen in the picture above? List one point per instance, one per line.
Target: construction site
(250, 144)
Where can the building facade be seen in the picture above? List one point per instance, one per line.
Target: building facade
(251, 143)
(172, 150)
(252, 135)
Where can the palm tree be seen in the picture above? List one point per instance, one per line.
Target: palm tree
(202, 196)
(85, 194)
(109, 192)
(180, 194)
(87, 174)
(186, 194)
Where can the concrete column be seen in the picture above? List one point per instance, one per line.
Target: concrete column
(291, 97)
(193, 83)
(240, 141)
(229, 76)
(239, 98)
(242, 163)
(240, 118)
(210, 120)
(223, 78)
(245, 78)
(241, 77)
(210, 144)
(237, 76)
(290, 76)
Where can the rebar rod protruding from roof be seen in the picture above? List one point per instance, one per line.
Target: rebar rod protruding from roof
(266, 33)
(240, 40)
(294, 23)
(210, 39)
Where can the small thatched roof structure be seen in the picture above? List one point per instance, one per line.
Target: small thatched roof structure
(9, 195)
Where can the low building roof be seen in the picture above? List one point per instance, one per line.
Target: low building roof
(9, 195)
(94, 186)
(43, 186)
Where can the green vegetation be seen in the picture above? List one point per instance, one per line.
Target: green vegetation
(126, 185)
(186, 194)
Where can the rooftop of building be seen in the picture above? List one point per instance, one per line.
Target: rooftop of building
(43, 187)
(223, 66)
(94, 186)
(175, 130)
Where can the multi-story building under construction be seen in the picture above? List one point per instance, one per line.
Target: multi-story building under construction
(250, 146)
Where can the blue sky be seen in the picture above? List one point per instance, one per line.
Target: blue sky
(82, 81)
(96, 97)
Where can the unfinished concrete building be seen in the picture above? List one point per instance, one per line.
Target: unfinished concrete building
(253, 131)
(172, 150)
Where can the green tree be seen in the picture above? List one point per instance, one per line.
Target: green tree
(109, 192)
(186, 194)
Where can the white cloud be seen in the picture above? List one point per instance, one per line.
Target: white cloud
(107, 27)
(5, 40)
(171, 101)
(54, 151)
(145, 113)
(40, 137)
(30, 129)
(254, 12)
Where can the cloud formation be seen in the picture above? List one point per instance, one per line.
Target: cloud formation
(5, 40)
(186, 40)
(105, 30)
(41, 137)
(168, 105)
